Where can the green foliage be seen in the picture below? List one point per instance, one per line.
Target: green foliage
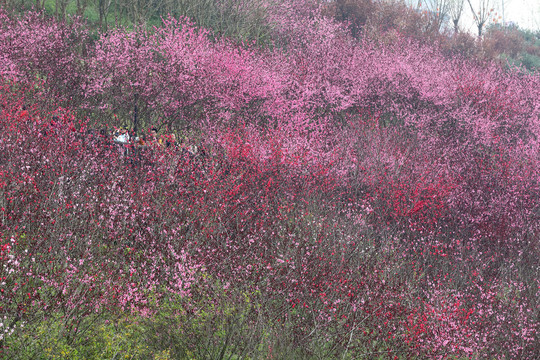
(218, 325)
(530, 62)
(240, 20)
(237, 19)
(111, 338)
(209, 326)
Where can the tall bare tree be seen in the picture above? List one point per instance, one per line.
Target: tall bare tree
(103, 7)
(482, 13)
(455, 10)
(438, 12)
(81, 7)
(40, 4)
(60, 8)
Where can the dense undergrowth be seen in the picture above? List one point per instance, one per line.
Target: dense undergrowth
(350, 198)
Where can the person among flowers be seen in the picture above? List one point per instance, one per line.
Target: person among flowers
(122, 137)
(152, 139)
(170, 141)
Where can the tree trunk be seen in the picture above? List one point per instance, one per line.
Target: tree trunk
(136, 115)
(81, 7)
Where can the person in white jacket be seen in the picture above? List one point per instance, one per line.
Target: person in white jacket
(122, 139)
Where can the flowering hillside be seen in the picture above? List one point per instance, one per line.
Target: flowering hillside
(327, 197)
